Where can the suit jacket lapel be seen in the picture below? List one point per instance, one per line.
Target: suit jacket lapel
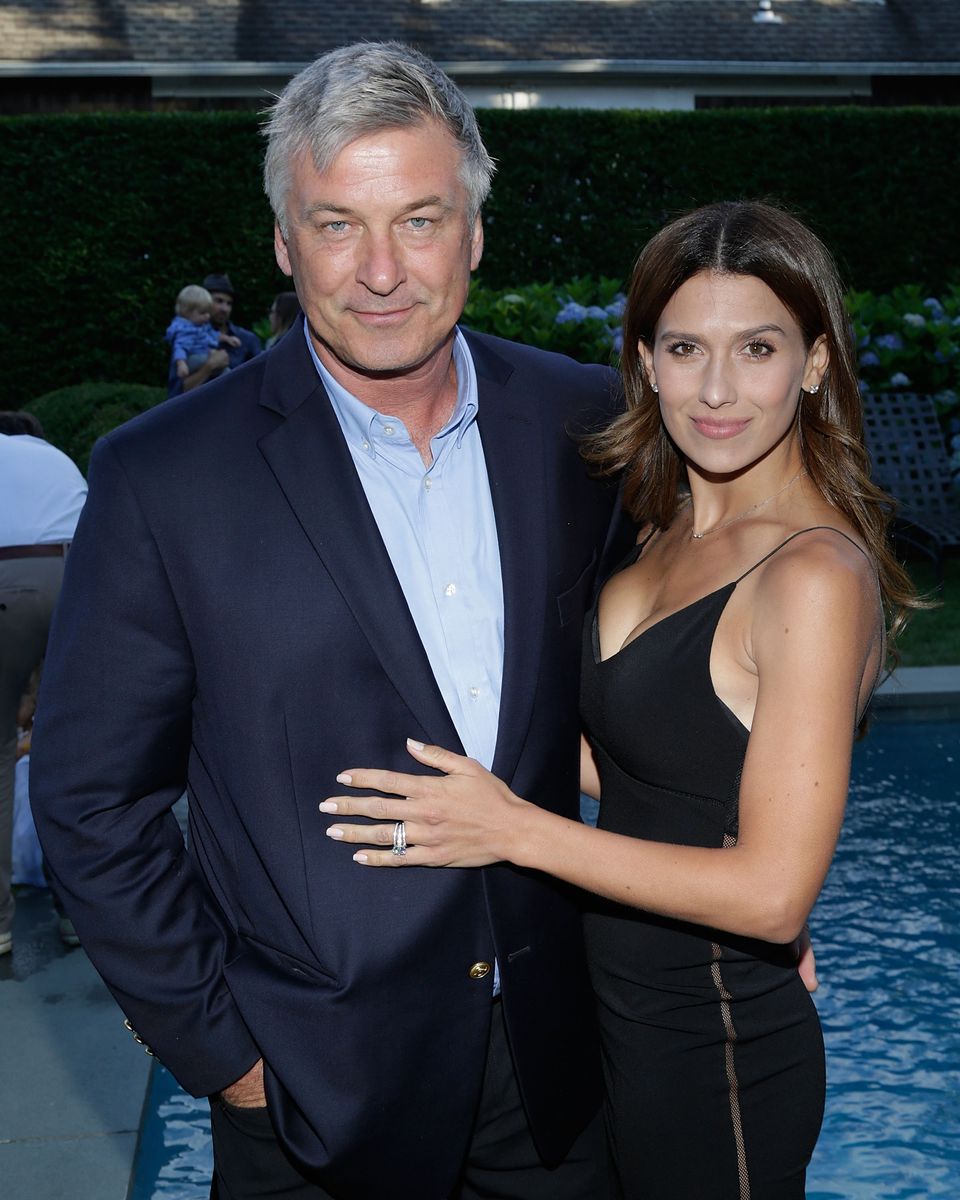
(310, 460)
(513, 449)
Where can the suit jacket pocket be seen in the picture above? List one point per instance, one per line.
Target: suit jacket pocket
(572, 603)
(289, 964)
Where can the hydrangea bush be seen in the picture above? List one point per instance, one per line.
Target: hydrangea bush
(581, 317)
(909, 341)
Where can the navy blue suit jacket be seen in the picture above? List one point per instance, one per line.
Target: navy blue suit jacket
(230, 622)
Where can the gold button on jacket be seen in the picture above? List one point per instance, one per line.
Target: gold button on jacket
(480, 970)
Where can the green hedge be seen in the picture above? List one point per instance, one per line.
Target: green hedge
(74, 417)
(104, 218)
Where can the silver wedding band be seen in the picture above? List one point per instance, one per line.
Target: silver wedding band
(400, 838)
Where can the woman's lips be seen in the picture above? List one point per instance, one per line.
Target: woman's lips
(719, 430)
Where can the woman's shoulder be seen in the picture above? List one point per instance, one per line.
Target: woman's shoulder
(821, 550)
(822, 576)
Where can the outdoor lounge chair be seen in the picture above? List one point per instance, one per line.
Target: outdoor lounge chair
(910, 461)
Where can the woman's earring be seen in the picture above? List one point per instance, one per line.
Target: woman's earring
(813, 390)
(655, 388)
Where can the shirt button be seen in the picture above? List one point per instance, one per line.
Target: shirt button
(474, 693)
(365, 445)
(450, 589)
(389, 430)
(428, 484)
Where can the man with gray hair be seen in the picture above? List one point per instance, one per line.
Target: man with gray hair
(381, 529)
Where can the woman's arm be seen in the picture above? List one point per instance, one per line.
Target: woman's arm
(814, 631)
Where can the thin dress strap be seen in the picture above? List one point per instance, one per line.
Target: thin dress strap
(787, 541)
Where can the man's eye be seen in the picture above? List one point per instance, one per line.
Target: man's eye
(335, 226)
(419, 222)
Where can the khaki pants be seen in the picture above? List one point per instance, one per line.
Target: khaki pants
(28, 592)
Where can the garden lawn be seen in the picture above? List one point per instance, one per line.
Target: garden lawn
(932, 638)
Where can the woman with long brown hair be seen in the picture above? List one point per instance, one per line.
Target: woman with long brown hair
(726, 668)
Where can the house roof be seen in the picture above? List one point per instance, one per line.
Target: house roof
(470, 35)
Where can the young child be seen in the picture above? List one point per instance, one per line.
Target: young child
(190, 333)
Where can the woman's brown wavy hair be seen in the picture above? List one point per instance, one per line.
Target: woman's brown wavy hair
(757, 239)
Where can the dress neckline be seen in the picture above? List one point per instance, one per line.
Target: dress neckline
(634, 556)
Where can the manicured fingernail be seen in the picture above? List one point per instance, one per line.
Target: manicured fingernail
(414, 744)
(334, 831)
(328, 806)
(360, 857)
(343, 777)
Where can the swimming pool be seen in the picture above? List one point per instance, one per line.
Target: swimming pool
(887, 934)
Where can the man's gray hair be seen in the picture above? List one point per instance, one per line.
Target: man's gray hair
(361, 89)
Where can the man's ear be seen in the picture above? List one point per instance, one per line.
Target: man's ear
(280, 250)
(476, 243)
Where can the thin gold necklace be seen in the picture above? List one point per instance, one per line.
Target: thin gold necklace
(747, 511)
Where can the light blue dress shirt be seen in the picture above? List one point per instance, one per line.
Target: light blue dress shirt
(438, 526)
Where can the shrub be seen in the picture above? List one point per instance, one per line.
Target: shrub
(74, 417)
(580, 318)
(95, 249)
(909, 340)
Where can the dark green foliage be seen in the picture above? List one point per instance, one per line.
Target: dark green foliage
(532, 313)
(104, 218)
(74, 417)
(580, 193)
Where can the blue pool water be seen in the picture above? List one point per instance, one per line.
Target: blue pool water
(887, 935)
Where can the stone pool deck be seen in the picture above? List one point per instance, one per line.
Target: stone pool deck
(72, 1080)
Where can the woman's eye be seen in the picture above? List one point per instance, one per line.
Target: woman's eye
(683, 349)
(759, 349)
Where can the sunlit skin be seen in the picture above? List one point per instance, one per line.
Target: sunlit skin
(381, 247)
(729, 360)
(795, 655)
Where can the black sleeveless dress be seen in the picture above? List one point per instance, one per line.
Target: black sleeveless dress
(713, 1056)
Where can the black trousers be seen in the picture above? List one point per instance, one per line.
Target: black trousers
(502, 1162)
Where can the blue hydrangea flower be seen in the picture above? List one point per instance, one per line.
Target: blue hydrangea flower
(598, 313)
(936, 308)
(889, 341)
(869, 359)
(617, 306)
(571, 311)
(618, 340)
(899, 380)
(915, 320)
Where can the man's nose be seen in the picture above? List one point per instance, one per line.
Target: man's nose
(380, 266)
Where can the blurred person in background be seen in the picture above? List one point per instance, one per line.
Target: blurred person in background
(41, 495)
(283, 313)
(248, 344)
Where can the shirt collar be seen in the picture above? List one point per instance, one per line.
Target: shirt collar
(357, 419)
